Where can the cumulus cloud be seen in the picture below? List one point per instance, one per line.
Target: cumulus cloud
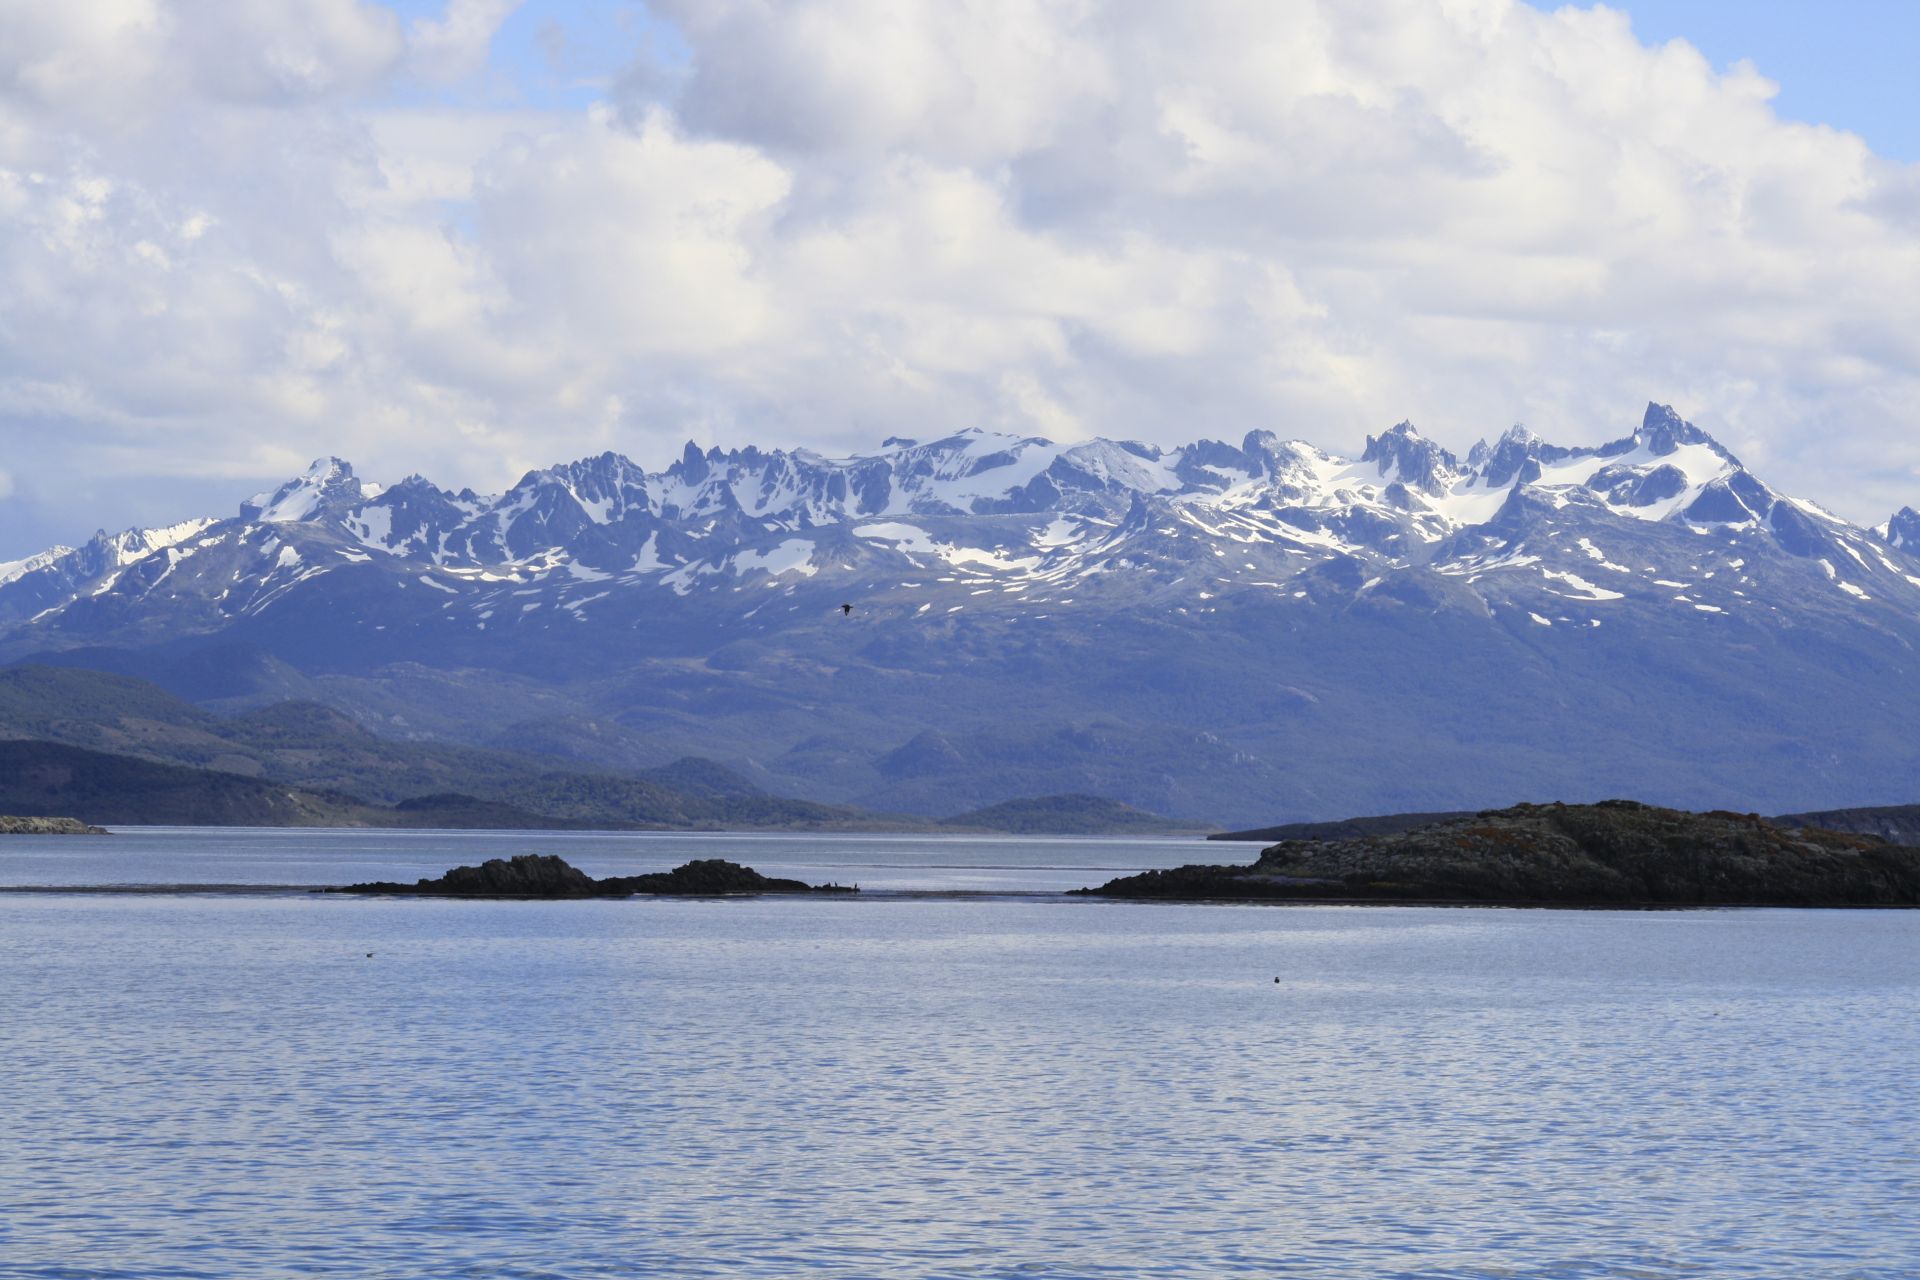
(455, 44)
(235, 235)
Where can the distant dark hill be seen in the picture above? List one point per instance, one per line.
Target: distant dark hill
(298, 723)
(1616, 853)
(1895, 823)
(48, 779)
(459, 812)
(1345, 829)
(1066, 815)
(37, 699)
(703, 778)
(219, 674)
(305, 746)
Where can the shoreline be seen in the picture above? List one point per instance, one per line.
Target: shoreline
(1065, 897)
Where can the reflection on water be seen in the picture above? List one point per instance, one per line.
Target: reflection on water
(231, 1087)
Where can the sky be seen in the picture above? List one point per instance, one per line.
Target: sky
(466, 238)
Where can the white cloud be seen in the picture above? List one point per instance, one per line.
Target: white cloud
(224, 244)
(455, 44)
(276, 51)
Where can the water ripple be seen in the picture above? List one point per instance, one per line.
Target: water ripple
(230, 1088)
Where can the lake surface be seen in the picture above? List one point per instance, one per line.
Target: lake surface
(229, 1086)
(296, 856)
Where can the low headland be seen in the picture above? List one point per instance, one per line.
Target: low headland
(1617, 853)
(531, 875)
(47, 827)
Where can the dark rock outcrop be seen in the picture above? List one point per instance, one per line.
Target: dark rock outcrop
(48, 827)
(712, 875)
(547, 876)
(527, 876)
(1616, 853)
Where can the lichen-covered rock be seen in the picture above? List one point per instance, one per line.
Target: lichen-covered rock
(48, 827)
(1616, 853)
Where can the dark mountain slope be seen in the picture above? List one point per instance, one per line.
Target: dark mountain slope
(1895, 823)
(348, 774)
(46, 779)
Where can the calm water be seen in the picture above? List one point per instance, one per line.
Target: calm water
(262, 856)
(229, 1086)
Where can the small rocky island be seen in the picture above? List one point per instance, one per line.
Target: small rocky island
(546, 876)
(47, 827)
(1613, 854)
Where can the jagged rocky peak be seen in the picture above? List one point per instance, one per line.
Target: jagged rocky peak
(1402, 453)
(417, 489)
(1214, 464)
(605, 487)
(1515, 456)
(328, 485)
(1903, 531)
(692, 467)
(1662, 431)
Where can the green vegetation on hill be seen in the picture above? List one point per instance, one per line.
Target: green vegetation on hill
(1065, 815)
(1616, 853)
(1897, 823)
(1344, 829)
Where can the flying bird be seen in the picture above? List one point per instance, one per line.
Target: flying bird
(846, 610)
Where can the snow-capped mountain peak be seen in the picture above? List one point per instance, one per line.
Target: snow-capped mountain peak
(1373, 618)
(327, 485)
(991, 513)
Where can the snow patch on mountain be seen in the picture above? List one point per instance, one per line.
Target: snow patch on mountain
(795, 555)
(999, 517)
(11, 569)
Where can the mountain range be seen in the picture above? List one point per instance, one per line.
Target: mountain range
(1235, 633)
